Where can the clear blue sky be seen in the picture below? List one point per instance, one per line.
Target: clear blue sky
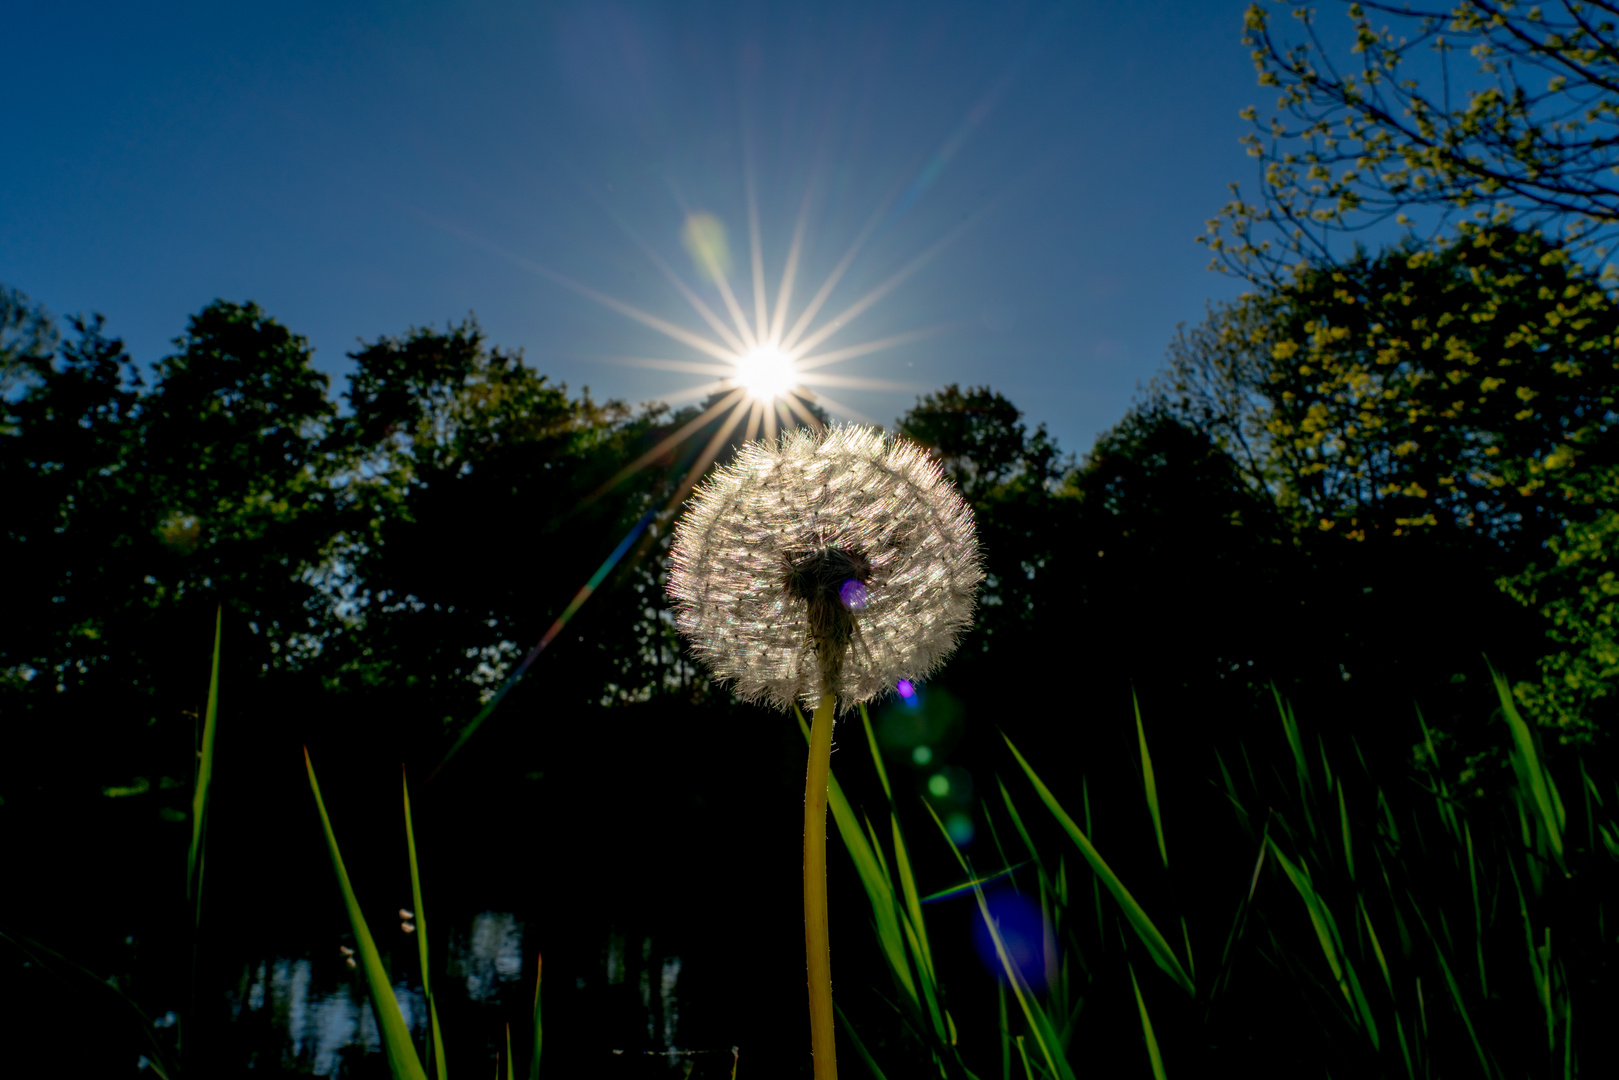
(359, 168)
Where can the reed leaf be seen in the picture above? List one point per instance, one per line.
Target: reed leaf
(1455, 995)
(396, 1042)
(1149, 782)
(859, 1047)
(435, 1034)
(1157, 946)
(204, 779)
(1532, 775)
(1153, 1054)
(539, 1029)
(1040, 1026)
(1332, 947)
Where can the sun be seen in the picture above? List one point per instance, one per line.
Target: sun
(763, 371)
(766, 373)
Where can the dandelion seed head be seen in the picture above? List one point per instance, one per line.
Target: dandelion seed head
(839, 561)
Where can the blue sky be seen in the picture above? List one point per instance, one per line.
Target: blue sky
(361, 168)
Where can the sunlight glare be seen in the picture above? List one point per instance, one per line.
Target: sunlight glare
(766, 373)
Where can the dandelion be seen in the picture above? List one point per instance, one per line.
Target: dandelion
(841, 562)
(827, 568)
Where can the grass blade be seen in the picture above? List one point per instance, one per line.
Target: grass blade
(77, 976)
(396, 1041)
(1149, 782)
(1332, 946)
(435, 1034)
(967, 886)
(539, 1030)
(205, 776)
(1040, 1026)
(876, 752)
(859, 1047)
(1157, 946)
(1153, 1055)
(1455, 994)
(510, 1075)
(1532, 774)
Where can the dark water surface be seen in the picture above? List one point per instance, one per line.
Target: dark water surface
(652, 856)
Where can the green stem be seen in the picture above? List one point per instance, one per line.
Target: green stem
(817, 943)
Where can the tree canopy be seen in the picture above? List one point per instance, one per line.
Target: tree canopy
(1490, 108)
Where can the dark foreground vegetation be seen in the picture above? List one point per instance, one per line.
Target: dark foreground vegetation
(1309, 664)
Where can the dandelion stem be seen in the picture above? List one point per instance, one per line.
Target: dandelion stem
(817, 943)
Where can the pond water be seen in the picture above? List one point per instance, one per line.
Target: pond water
(309, 1015)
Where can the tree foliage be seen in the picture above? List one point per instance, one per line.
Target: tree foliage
(1452, 408)
(1496, 107)
(1462, 386)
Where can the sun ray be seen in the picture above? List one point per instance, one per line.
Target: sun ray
(857, 382)
(849, 313)
(706, 458)
(810, 363)
(770, 411)
(720, 386)
(668, 443)
(835, 406)
(663, 326)
(810, 420)
(808, 314)
(740, 320)
(790, 272)
(755, 418)
(756, 249)
(688, 367)
(707, 313)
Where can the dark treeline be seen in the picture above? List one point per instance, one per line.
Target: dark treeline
(1349, 488)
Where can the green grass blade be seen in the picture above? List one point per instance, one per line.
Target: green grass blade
(510, 1073)
(1153, 1055)
(1149, 782)
(913, 901)
(1343, 822)
(539, 1029)
(1377, 946)
(1531, 772)
(1568, 1040)
(396, 1041)
(435, 1035)
(77, 976)
(859, 1047)
(1456, 996)
(1157, 946)
(1006, 1032)
(876, 752)
(967, 886)
(1478, 911)
(1017, 821)
(1239, 922)
(205, 776)
(1326, 929)
(1040, 1025)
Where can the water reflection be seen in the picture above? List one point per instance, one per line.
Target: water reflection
(320, 1025)
(312, 1015)
(490, 953)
